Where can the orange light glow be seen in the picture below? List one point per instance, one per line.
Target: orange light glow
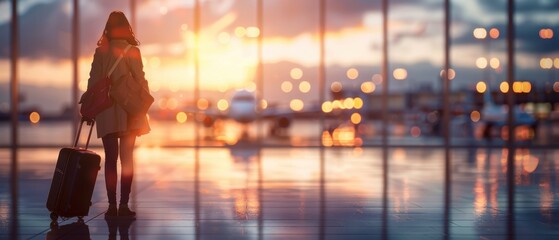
(263, 104)
(556, 63)
(355, 118)
(34, 117)
(475, 116)
(358, 103)
(327, 139)
(304, 87)
(327, 107)
(296, 73)
(481, 87)
(504, 87)
(400, 74)
(517, 87)
(556, 86)
(181, 117)
(480, 33)
(368, 87)
(352, 73)
(203, 104)
(546, 33)
(296, 105)
(494, 33)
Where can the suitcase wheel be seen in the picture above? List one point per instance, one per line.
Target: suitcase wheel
(53, 216)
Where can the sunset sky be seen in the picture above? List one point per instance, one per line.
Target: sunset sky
(228, 45)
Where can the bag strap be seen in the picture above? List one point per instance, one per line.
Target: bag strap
(118, 60)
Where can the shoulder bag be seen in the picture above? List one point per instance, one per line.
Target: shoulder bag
(96, 99)
(131, 95)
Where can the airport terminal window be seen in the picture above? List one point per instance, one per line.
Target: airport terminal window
(195, 97)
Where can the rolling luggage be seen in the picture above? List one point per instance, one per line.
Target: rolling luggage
(74, 179)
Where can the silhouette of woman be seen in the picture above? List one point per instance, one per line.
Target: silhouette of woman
(114, 124)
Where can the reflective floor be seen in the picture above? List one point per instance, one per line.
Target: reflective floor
(303, 193)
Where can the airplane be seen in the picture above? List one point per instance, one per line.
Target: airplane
(493, 115)
(243, 108)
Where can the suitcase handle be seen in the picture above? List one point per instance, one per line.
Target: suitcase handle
(90, 122)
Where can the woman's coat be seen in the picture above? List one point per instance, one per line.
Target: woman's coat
(115, 119)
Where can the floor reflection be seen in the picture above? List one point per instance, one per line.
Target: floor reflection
(302, 193)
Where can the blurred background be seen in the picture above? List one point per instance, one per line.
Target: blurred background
(290, 73)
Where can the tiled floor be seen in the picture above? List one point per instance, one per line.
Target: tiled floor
(302, 193)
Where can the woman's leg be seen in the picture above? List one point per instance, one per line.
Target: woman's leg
(127, 162)
(110, 144)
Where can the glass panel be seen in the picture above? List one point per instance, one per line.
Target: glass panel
(228, 69)
(166, 32)
(353, 56)
(416, 50)
(291, 79)
(45, 72)
(5, 72)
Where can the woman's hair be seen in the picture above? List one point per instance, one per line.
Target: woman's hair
(118, 27)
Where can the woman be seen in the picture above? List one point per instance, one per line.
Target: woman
(114, 124)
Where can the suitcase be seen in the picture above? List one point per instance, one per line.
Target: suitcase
(74, 179)
(74, 231)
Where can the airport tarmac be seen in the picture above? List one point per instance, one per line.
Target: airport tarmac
(302, 193)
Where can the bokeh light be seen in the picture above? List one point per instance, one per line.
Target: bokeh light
(480, 33)
(336, 87)
(304, 87)
(400, 74)
(368, 87)
(181, 117)
(475, 116)
(327, 107)
(481, 87)
(494, 33)
(355, 118)
(451, 75)
(494, 63)
(222, 104)
(358, 103)
(296, 73)
(286, 86)
(504, 87)
(203, 104)
(34, 117)
(546, 63)
(296, 105)
(252, 32)
(481, 63)
(352, 73)
(546, 33)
